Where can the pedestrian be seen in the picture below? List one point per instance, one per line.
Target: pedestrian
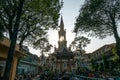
(29, 77)
(110, 78)
(91, 74)
(0, 75)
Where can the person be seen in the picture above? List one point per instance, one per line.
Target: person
(20, 77)
(65, 78)
(91, 74)
(29, 77)
(14, 79)
(110, 78)
(0, 74)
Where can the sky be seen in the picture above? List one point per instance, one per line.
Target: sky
(69, 13)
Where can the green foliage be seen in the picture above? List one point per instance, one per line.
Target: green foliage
(37, 18)
(80, 42)
(105, 62)
(116, 57)
(82, 69)
(1, 31)
(7, 15)
(47, 8)
(92, 63)
(96, 67)
(100, 67)
(42, 44)
(98, 18)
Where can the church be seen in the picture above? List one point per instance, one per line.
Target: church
(62, 59)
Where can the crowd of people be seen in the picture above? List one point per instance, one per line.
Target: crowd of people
(45, 75)
(100, 75)
(26, 76)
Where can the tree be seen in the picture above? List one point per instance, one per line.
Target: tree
(80, 42)
(19, 6)
(37, 17)
(36, 20)
(100, 67)
(10, 13)
(1, 30)
(105, 62)
(42, 44)
(92, 64)
(116, 58)
(99, 18)
(1, 27)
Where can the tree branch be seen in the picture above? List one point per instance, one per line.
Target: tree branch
(4, 22)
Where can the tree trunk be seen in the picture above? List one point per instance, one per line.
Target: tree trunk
(117, 38)
(10, 34)
(9, 60)
(10, 26)
(114, 27)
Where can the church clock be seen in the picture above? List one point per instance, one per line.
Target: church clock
(61, 38)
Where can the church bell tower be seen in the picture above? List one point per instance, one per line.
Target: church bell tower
(62, 36)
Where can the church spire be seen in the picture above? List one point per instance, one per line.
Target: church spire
(62, 35)
(61, 23)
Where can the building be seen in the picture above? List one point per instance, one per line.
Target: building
(23, 60)
(62, 59)
(86, 60)
(43, 63)
(4, 47)
(106, 50)
(97, 55)
(28, 63)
